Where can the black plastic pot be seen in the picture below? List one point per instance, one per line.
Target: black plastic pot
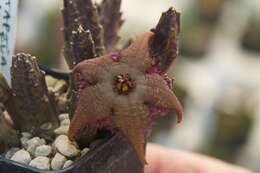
(113, 156)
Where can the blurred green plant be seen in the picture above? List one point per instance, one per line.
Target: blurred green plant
(232, 129)
(50, 39)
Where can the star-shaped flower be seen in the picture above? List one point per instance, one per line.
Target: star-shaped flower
(122, 91)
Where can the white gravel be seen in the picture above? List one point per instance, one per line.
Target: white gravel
(84, 151)
(67, 164)
(52, 155)
(9, 154)
(65, 146)
(58, 161)
(21, 156)
(63, 117)
(62, 130)
(33, 143)
(65, 122)
(24, 139)
(43, 150)
(41, 163)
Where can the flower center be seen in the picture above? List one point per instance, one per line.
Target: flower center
(124, 84)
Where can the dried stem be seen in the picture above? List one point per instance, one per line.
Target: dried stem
(164, 45)
(89, 19)
(111, 20)
(30, 106)
(83, 45)
(5, 91)
(69, 20)
(83, 33)
(8, 135)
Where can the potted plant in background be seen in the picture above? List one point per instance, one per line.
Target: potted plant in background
(41, 105)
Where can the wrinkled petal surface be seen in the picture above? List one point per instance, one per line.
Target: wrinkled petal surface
(137, 54)
(160, 95)
(91, 108)
(131, 122)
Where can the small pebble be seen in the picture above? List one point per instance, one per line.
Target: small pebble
(62, 130)
(84, 151)
(24, 141)
(26, 135)
(60, 86)
(67, 164)
(51, 81)
(63, 117)
(21, 156)
(65, 122)
(58, 161)
(41, 163)
(34, 143)
(65, 146)
(43, 150)
(11, 152)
